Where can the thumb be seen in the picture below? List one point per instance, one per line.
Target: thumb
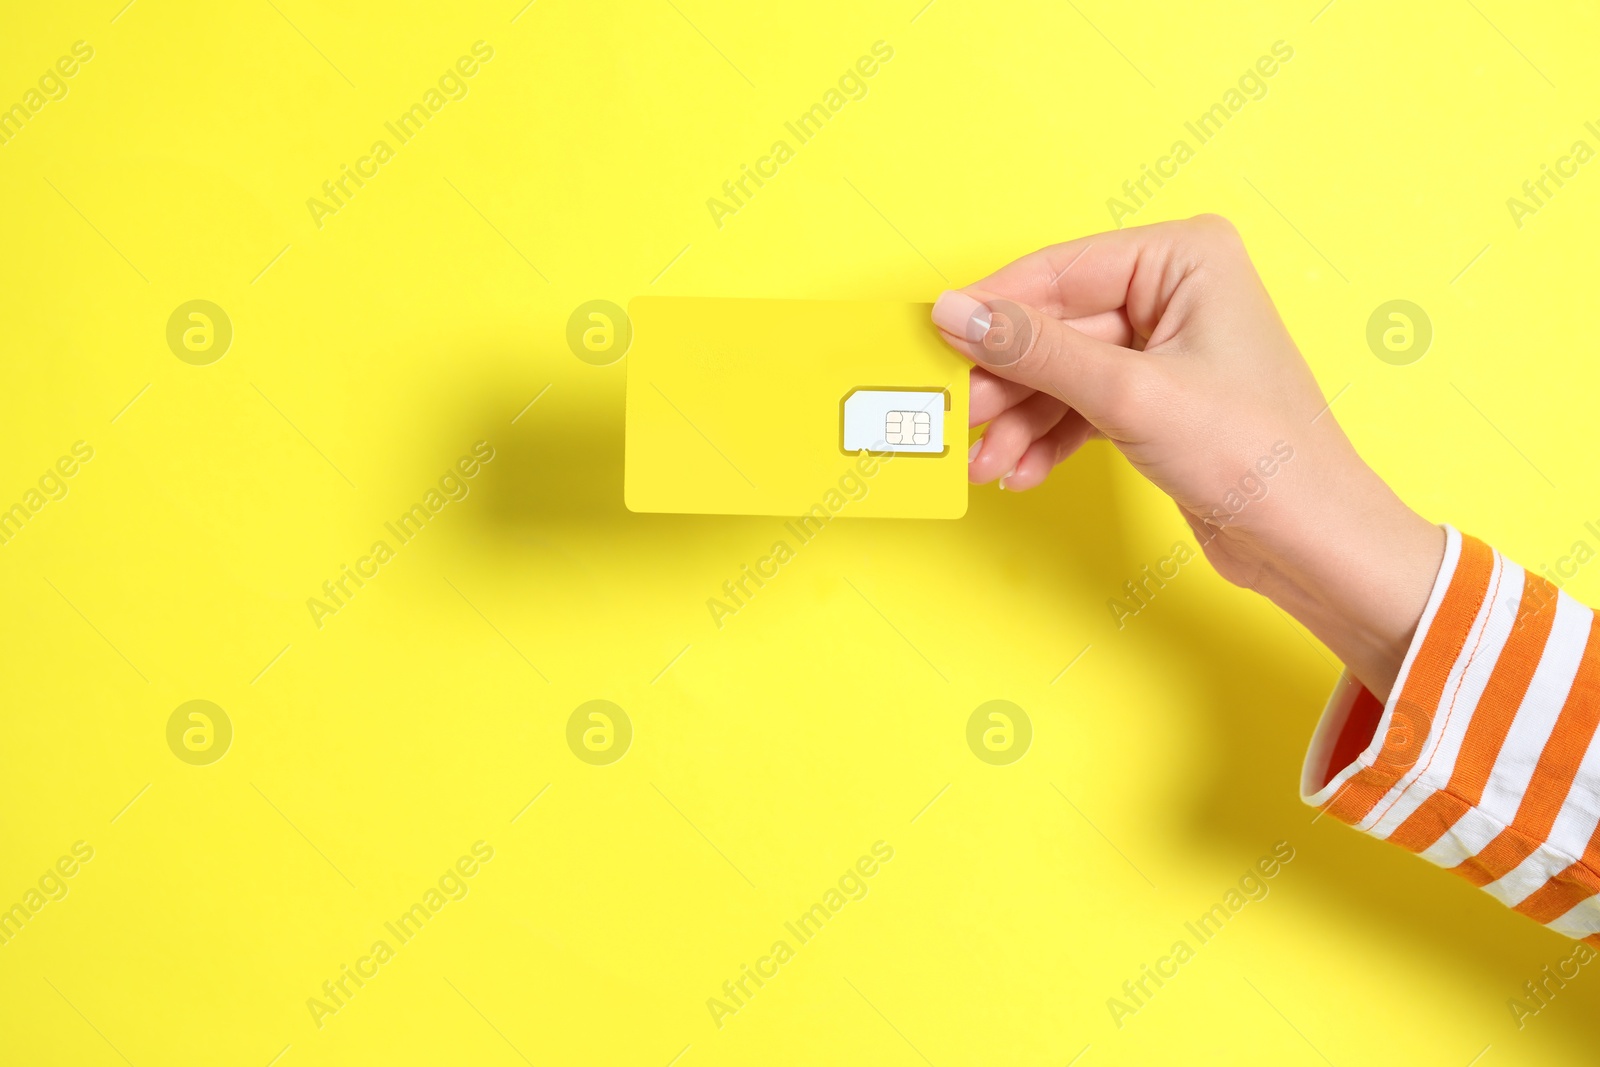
(1021, 344)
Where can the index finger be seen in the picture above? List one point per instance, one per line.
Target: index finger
(1136, 268)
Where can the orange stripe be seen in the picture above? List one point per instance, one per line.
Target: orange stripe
(1500, 856)
(1552, 777)
(1424, 688)
(1561, 894)
(1491, 721)
(1425, 826)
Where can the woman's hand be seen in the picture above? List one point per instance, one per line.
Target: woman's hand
(1163, 340)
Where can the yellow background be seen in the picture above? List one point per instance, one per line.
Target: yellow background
(425, 715)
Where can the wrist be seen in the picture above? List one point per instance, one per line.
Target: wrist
(1357, 572)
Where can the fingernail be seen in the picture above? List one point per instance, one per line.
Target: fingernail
(1006, 475)
(957, 313)
(972, 453)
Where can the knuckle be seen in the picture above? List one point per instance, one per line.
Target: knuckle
(1215, 226)
(1213, 235)
(1213, 238)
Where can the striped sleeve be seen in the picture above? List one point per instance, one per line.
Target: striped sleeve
(1485, 759)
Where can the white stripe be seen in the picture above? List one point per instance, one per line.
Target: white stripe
(1536, 718)
(1469, 836)
(1459, 705)
(1513, 769)
(1580, 813)
(1529, 876)
(1580, 810)
(1582, 920)
(1470, 653)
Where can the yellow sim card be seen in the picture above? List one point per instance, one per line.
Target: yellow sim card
(779, 407)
